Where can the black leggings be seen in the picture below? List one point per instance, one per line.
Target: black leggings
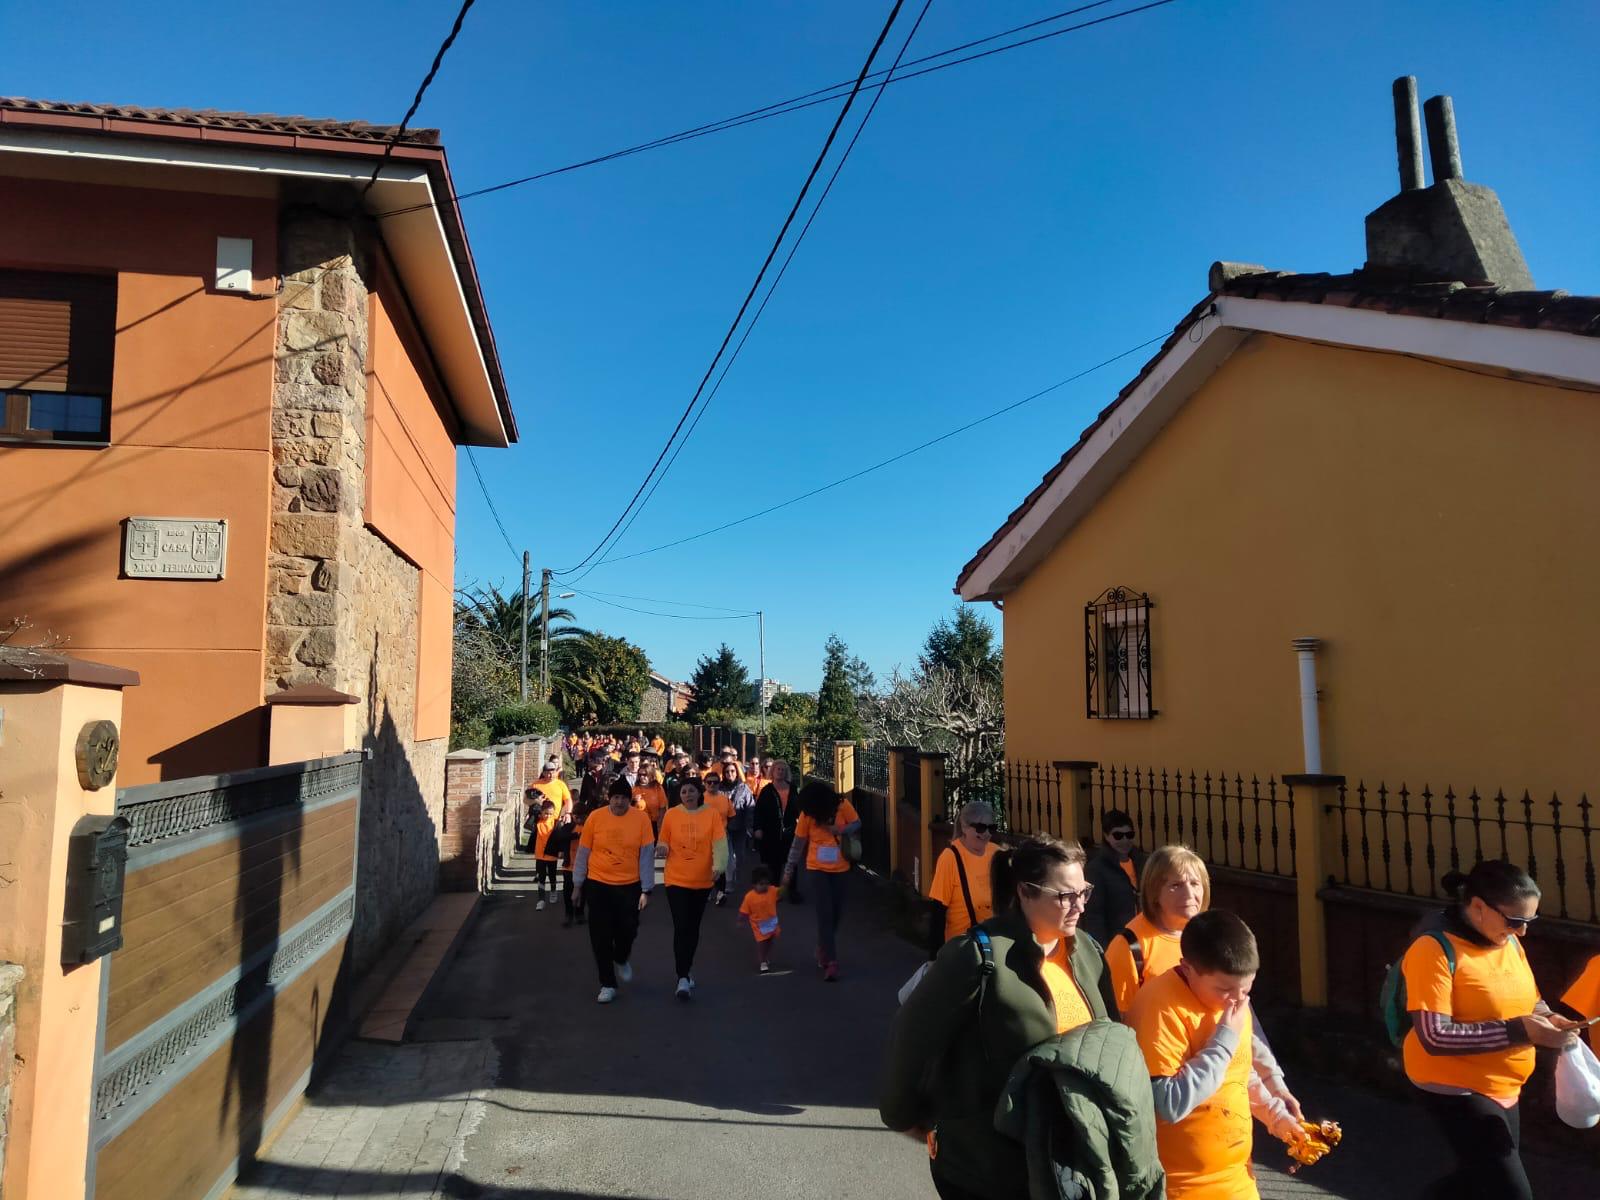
(688, 906)
(1485, 1139)
(544, 873)
(613, 924)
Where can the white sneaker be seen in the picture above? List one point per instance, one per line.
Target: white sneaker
(766, 967)
(685, 989)
(624, 972)
(539, 907)
(607, 995)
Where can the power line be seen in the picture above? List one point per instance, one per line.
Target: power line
(738, 616)
(878, 466)
(798, 103)
(422, 90)
(750, 295)
(678, 603)
(777, 279)
(493, 512)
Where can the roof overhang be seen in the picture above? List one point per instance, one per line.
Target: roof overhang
(425, 238)
(1197, 348)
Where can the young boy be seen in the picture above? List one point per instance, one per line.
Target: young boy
(760, 905)
(544, 858)
(1194, 1026)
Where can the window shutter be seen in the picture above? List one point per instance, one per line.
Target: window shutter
(56, 332)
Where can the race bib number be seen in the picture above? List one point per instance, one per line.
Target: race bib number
(828, 854)
(767, 927)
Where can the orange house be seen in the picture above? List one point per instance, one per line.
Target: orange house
(237, 354)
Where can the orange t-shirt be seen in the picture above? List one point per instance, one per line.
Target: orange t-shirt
(946, 887)
(823, 852)
(658, 745)
(690, 838)
(1071, 1005)
(614, 844)
(558, 793)
(1161, 951)
(652, 798)
(1127, 869)
(1584, 996)
(721, 804)
(762, 909)
(542, 830)
(1207, 1154)
(1491, 983)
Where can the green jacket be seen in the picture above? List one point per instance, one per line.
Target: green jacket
(1081, 1106)
(948, 1063)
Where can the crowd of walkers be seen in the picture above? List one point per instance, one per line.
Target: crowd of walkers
(1083, 1027)
(719, 828)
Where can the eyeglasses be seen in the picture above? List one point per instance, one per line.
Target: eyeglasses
(979, 827)
(1516, 923)
(1064, 899)
(1121, 835)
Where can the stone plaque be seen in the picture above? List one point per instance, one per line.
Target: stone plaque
(97, 750)
(174, 548)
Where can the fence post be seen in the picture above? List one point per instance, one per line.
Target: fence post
(933, 806)
(844, 768)
(1313, 795)
(897, 789)
(805, 760)
(1076, 779)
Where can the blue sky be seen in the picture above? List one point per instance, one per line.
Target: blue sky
(1000, 226)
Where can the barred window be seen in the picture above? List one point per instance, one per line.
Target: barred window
(56, 336)
(1117, 655)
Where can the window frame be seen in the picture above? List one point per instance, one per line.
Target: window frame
(90, 354)
(1114, 612)
(16, 406)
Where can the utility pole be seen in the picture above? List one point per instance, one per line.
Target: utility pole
(761, 684)
(544, 635)
(524, 674)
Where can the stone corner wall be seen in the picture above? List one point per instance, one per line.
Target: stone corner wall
(10, 977)
(462, 817)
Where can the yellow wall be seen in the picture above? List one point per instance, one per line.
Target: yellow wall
(411, 489)
(1435, 527)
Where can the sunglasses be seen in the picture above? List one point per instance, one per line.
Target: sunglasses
(1063, 899)
(1516, 923)
(1121, 835)
(980, 827)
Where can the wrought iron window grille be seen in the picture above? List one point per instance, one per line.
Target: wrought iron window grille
(1116, 642)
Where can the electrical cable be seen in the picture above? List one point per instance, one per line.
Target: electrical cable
(493, 512)
(878, 466)
(796, 104)
(777, 279)
(677, 603)
(743, 616)
(750, 295)
(422, 90)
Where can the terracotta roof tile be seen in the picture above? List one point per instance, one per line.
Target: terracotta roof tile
(126, 118)
(1382, 291)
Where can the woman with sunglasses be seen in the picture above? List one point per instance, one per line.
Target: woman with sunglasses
(1476, 1018)
(959, 896)
(1113, 871)
(957, 1036)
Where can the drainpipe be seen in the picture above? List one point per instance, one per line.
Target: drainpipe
(1310, 725)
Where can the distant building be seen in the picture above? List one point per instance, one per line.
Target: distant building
(664, 699)
(766, 689)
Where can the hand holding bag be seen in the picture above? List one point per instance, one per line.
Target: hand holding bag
(1578, 1086)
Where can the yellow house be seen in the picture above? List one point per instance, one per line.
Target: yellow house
(1340, 524)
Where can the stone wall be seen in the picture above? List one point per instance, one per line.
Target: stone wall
(343, 609)
(10, 977)
(464, 802)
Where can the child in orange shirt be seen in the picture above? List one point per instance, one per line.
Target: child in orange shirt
(544, 859)
(760, 905)
(1193, 1024)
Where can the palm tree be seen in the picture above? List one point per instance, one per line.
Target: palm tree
(572, 690)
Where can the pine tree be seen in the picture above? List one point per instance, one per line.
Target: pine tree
(720, 681)
(962, 643)
(836, 718)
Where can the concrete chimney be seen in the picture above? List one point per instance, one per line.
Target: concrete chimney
(1453, 231)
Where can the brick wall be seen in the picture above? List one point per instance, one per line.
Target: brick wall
(463, 815)
(10, 977)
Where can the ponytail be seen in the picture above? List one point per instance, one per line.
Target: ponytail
(1029, 861)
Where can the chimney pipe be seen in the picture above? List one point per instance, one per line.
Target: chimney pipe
(1408, 133)
(1443, 148)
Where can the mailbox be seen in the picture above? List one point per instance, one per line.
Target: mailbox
(97, 860)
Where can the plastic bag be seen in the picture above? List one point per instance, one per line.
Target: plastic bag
(910, 985)
(1578, 1086)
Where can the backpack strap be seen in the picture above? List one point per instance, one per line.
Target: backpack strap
(1444, 944)
(986, 970)
(1137, 951)
(966, 894)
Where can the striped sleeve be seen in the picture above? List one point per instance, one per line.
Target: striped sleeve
(1440, 1034)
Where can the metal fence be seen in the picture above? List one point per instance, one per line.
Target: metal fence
(872, 768)
(1229, 821)
(1397, 840)
(1031, 799)
(975, 773)
(821, 755)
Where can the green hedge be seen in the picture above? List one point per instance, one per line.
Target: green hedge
(515, 720)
